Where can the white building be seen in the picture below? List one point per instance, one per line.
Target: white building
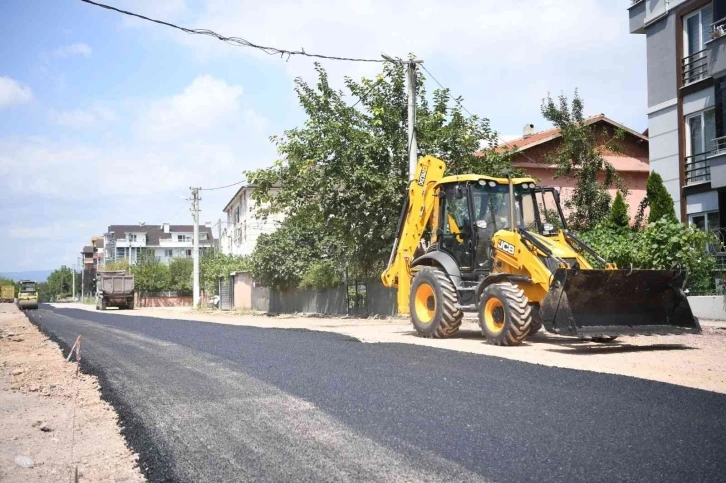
(167, 241)
(243, 225)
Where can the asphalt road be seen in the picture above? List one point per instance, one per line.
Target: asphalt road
(212, 402)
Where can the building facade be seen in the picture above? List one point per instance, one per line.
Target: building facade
(243, 225)
(686, 65)
(126, 242)
(630, 160)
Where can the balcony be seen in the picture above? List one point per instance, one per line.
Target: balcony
(637, 13)
(698, 168)
(717, 164)
(695, 67)
(717, 48)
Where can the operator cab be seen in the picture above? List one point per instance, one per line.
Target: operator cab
(471, 212)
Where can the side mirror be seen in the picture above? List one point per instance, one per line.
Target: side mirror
(459, 192)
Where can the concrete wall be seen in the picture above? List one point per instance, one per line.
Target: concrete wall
(717, 57)
(701, 202)
(637, 15)
(163, 301)
(661, 61)
(664, 156)
(708, 307)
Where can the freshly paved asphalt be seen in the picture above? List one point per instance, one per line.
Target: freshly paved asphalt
(211, 402)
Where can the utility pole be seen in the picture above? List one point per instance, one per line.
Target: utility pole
(411, 86)
(219, 235)
(73, 282)
(195, 250)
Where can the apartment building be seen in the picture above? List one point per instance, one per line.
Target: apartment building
(686, 65)
(125, 242)
(243, 225)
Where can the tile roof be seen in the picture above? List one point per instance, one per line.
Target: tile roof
(87, 249)
(524, 143)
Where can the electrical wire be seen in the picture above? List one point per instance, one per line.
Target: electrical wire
(458, 102)
(369, 89)
(236, 41)
(219, 187)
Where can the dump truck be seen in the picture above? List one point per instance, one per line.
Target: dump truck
(114, 289)
(28, 295)
(500, 247)
(7, 294)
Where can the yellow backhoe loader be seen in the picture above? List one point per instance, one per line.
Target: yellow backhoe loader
(500, 247)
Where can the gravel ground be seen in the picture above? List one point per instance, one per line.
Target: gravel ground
(217, 402)
(38, 394)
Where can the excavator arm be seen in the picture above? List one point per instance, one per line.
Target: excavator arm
(415, 215)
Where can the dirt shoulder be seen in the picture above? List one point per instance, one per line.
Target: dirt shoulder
(697, 361)
(39, 391)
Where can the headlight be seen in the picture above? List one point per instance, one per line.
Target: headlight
(492, 184)
(548, 227)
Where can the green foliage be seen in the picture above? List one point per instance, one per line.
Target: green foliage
(122, 264)
(149, 274)
(659, 200)
(321, 274)
(663, 245)
(59, 284)
(619, 212)
(180, 274)
(581, 158)
(281, 259)
(213, 265)
(345, 171)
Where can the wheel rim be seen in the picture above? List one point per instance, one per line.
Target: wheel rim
(425, 303)
(494, 315)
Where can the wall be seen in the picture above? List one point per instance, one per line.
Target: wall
(664, 153)
(708, 307)
(661, 61)
(379, 300)
(243, 290)
(241, 238)
(634, 181)
(163, 301)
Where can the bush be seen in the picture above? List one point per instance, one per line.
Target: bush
(659, 200)
(619, 212)
(214, 265)
(663, 245)
(180, 274)
(321, 274)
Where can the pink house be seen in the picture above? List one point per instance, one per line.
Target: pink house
(632, 163)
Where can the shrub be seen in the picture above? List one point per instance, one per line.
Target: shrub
(659, 200)
(619, 212)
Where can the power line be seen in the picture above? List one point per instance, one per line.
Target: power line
(236, 41)
(458, 102)
(218, 187)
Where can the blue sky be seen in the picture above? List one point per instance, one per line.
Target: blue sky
(108, 120)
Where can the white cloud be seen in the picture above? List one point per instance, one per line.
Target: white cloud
(205, 104)
(12, 92)
(78, 48)
(92, 117)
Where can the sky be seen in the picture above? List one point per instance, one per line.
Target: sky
(107, 120)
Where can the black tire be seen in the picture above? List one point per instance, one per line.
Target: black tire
(103, 304)
(505, 316)
(432, 304)
(604, 339)
(536, 324)
(130, 305)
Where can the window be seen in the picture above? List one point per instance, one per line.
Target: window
(168, 253)
(132, 238)
(202, 236)
(236, 215)
(701, 133)
(183, 238)
(705, 221)
(696, 32)
(189, 253)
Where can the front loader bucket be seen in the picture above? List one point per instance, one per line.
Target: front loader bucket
(617, 302)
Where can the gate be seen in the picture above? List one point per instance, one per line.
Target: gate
(357, 300)
(226, 293)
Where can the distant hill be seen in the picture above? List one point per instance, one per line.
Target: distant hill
(37, 275)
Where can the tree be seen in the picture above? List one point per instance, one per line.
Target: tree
(345, 171)
(150, 275)
(60, 283)
(581, 159)
(619, 212)
(659, 200)
(180, 274)
(214, 265)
